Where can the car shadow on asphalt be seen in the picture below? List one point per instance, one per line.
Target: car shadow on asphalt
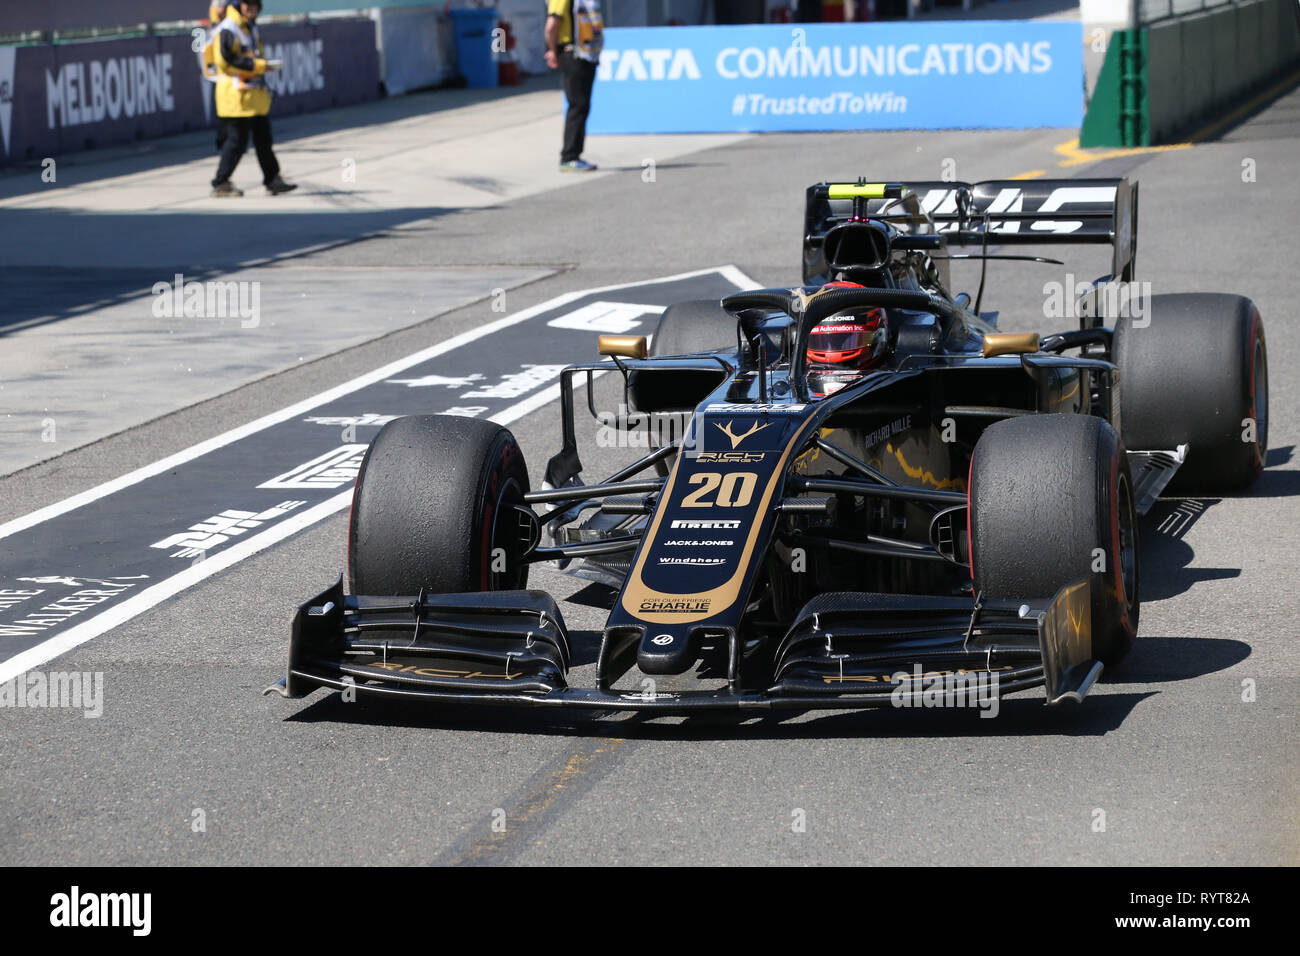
(1166, 555)
(1162, 660)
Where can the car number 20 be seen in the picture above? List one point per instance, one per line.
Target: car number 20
(735, 489)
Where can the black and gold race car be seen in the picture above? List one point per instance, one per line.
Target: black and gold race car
(875, 489)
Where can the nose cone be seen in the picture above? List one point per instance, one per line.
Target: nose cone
(668, 649)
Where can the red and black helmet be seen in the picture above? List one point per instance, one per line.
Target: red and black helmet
(847, 340)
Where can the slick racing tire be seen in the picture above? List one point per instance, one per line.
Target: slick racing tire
(1051, 502)
(434, 499)
(1197, 374)
(701, 325)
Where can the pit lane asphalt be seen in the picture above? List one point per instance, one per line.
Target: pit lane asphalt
(1183, 769)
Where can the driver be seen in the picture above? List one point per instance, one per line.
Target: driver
(843, 346)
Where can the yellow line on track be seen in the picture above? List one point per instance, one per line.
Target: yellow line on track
(1076, 156)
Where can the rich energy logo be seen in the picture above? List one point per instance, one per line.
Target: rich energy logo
(727, 430)
(131, 910)
(729, 457)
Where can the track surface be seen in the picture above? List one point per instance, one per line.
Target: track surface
(1183, 769)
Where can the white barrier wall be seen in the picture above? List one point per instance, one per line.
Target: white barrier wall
(416, 48)
(527, 19)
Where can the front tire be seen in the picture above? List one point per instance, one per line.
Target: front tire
(433, 504)
(1051, 501)
(1197, 373)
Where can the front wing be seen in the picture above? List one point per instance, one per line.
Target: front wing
(846, 650)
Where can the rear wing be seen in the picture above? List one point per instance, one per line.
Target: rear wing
(996, 212)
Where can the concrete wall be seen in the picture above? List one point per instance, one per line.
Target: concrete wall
(1207, 64)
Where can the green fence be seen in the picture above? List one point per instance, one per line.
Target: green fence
(1161, 80)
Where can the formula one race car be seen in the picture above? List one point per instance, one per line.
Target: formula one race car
(876, 487)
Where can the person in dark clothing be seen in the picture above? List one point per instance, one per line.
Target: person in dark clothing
(574, 38)
(243, 100)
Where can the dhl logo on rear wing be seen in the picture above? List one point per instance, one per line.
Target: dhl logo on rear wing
(995, 212)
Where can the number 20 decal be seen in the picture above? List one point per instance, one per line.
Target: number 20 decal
(734, 489)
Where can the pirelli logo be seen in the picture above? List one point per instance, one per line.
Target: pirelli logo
(706, 525)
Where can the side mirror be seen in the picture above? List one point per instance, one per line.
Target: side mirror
(1010, 343)
(627, 346)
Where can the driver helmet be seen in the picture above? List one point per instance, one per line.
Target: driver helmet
(842, 346)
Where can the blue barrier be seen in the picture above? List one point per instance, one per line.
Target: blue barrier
(939, 75)
(473, 29)
(75, 96)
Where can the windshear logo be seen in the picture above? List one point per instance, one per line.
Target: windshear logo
(737, 439)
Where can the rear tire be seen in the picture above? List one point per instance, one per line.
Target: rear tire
(1196, 374)
(701, 325)
(431, 505)
(1047, 491)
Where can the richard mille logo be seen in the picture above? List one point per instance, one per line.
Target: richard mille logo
(737, 439)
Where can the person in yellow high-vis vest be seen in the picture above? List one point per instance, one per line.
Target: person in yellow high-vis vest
(243, 101)
(575, 35)
(208, 58)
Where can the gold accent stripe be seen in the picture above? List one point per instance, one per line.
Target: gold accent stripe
(722, 597)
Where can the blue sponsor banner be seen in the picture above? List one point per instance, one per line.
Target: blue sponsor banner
(956, 74)
(76, 96)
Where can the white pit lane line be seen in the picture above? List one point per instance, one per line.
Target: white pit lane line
(120, 613)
